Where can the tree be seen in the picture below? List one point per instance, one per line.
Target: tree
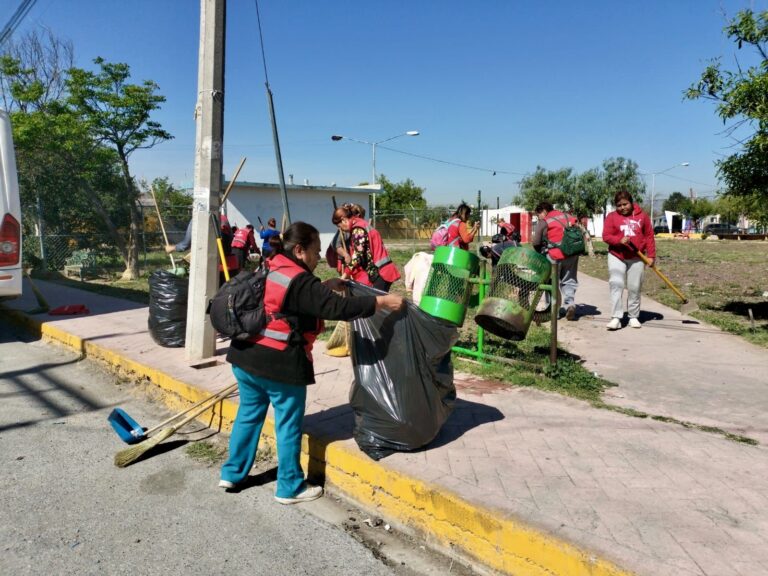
(622, 174)
(174, 204)
(742, 99)
(117, 115)
(33, 71)
(677, 202)
(554, 186)
(403, 195)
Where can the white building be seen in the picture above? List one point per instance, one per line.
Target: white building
(249, 201)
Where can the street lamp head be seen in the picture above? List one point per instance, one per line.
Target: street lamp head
(685, 164)
(336, 137)
(412, 133)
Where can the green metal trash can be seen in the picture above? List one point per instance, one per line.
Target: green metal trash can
(514, 292)
(447, 290)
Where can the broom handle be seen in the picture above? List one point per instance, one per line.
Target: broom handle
(231, 182)
(213, 400)
(666, 280)
(225, 392)
(220, 247)
(162, 227)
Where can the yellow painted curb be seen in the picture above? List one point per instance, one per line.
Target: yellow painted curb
(450, 522)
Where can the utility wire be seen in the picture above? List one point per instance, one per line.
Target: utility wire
(478, 168)
(15, 20)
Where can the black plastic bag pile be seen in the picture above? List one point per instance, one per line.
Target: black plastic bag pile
(168, 295)
(403, 391)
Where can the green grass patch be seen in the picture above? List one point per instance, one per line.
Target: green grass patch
(206, 452)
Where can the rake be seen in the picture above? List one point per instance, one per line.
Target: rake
(130, 455)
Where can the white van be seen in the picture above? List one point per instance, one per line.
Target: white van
(10, 215)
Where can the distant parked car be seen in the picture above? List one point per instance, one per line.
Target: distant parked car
(660, 230)
(719, 229)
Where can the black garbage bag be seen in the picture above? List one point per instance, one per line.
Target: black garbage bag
(403, 391)
(168, 308)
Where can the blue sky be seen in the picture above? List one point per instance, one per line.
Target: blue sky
(499, 85)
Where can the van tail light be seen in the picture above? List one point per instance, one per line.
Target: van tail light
(10, 241)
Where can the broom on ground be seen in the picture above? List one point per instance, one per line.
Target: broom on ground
(130, 455)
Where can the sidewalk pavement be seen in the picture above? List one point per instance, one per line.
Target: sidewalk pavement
(524, 481)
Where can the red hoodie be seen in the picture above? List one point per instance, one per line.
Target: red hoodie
(636, 226)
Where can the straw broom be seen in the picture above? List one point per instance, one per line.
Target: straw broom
(130, 455)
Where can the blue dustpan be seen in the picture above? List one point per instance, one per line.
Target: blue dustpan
(126, 427)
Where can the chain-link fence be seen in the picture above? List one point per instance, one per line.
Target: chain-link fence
(410, 229)
(56, 252)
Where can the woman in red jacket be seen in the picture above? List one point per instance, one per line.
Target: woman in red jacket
(367, 260)
(626, 231)
(275, 367)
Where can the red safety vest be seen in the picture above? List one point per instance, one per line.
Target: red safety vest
(282, 271)
(241, 239)
(556, 222)
(387, 269)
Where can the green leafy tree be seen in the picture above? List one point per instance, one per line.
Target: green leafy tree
(404, 195)
(555, 186)
(175, 204)
(589, 193)
(622, 174)
(700, 208)
(677, 202)
(117, 115)
(33, 71)
(741, 98)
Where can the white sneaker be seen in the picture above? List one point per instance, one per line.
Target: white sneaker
(226, 484)
(309, 493)
(635, 323)
(614, 324)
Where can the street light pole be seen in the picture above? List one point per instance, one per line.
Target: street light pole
(653, 184)
(373, 145)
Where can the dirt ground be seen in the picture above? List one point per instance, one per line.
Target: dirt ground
(726, 278)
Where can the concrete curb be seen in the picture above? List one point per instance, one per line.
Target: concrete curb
(452, 524)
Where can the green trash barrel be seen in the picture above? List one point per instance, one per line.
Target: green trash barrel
(447, 290)
(514, 292)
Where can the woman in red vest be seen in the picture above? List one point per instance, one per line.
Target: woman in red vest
(460, 235)
(549, 232)
(275, 366)
(243, 244)
(368, 261)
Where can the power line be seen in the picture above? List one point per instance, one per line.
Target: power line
(15, 20)
(478, 168)
(708, 184)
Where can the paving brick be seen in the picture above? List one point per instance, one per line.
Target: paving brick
(654, 497)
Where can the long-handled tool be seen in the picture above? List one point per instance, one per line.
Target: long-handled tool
(131, 432)
(130, 455)
(220, 246)
(42, 303)
(162, 226)
(686, 306)
(232, 182)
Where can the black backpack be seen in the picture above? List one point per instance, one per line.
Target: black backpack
(237, 310)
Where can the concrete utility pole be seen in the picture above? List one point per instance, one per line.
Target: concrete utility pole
(209, 117)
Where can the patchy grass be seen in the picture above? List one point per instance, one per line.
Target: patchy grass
(207, 453)
(726, 278)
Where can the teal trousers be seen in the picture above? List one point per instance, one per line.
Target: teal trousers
(288, 401)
